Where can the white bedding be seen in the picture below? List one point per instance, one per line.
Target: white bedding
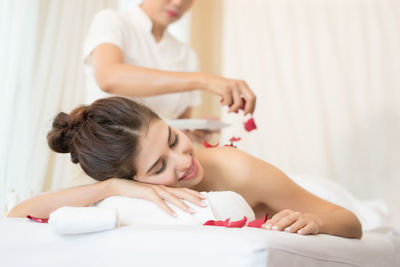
(26, 243)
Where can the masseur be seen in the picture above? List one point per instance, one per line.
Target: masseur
(132, 54)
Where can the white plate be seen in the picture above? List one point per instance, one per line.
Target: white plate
(197, 124)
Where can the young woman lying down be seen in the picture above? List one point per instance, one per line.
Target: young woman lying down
(131, 152)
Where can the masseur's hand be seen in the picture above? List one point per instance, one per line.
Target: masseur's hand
(157, 194)
(231, 92)
(294, 222)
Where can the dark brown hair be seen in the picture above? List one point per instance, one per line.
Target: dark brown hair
(102, 137)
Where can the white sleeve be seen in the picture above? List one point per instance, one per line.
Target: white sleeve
(105, 28)
(194, 66)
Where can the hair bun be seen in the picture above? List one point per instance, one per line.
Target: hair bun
(64, 128)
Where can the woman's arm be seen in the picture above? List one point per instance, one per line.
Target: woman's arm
(293, 208)
(116, 77)
(42, 205)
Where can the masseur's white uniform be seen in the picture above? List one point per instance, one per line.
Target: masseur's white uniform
(131, 32)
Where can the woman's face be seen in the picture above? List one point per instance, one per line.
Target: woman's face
(167, 157)
(165, 12)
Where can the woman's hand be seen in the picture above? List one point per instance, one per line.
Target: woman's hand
(231, 92)
(157, 194)
(294, 222)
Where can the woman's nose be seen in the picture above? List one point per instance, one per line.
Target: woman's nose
(183, 161)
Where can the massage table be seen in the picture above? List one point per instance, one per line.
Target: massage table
(28, 243)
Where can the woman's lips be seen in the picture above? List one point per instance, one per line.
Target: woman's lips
(172, 13)
(191, 172)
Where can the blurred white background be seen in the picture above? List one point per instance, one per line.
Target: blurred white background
(326, 74)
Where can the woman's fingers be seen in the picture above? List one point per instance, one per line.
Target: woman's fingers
(277, 217)
(176, 196)
(293, 222)
(309, 229)
(286, 221)
(296, 226)
(173, 199)
(192, 196)
(161, 203)
(194, 192)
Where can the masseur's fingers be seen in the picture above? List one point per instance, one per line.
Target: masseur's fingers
(227, 97)
(250, 98)
(237, 100)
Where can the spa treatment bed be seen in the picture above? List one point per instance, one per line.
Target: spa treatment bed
(27, 243)
(156, 239)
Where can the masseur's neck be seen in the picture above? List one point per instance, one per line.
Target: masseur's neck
(157, 29)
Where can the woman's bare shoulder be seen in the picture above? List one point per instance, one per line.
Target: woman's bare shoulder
(229, 164)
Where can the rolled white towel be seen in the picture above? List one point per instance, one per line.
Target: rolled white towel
(79, 220)
(220, 206)
(123, 211)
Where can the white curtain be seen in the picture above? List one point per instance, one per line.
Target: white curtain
(326, 74)
(41, 74)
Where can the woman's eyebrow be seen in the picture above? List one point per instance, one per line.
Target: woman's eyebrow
(157, 161)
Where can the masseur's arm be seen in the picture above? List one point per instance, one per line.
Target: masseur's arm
(293, 208)
(116, 77)
(80, 196)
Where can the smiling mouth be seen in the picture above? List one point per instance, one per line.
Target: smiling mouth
(188, 173)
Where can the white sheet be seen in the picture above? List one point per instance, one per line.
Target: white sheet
(28, 243)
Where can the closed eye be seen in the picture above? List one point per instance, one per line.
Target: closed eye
(162, 168)
(163, 162)
(175, 141)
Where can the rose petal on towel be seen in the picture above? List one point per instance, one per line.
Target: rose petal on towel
(39, 220)
(207, 145)
(250, 125)
(235, 139)
(215, 223)
(238, 224)
(259, 222)
(226, 222)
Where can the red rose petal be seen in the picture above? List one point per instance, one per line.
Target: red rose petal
(226, 222)
(235, 139)
(243, 104)
(39, 220)
(215, 223)
(207, 145)
(250, 125)
(258, 223)
(238, 224)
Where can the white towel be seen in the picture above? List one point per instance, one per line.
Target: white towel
(131, 212)
(220, 206)
(79, 220)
